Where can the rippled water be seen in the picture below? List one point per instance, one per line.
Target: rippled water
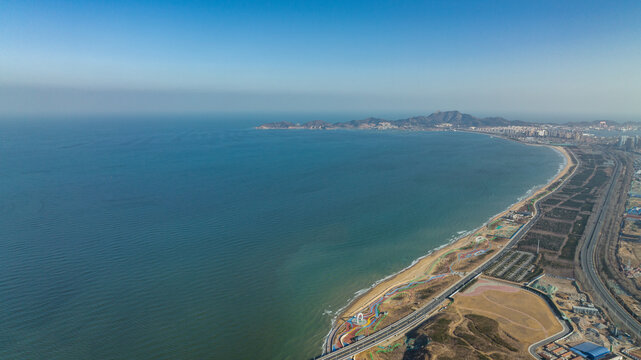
(185, 239)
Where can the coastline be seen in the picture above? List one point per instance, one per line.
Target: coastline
(421, 266)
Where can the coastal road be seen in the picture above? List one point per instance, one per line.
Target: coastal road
(588, 263)
(414, 319)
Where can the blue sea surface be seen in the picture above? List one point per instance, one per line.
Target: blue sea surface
(198, 239)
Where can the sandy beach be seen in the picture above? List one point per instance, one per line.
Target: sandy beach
(423, 265)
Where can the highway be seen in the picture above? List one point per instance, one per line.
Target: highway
(414, 319)
(587, 258)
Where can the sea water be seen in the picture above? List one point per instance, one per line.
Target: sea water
(180, 238)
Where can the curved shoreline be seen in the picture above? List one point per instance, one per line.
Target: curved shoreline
(421, 265)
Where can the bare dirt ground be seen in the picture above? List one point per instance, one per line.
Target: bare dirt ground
(489, 320)
(630, 252)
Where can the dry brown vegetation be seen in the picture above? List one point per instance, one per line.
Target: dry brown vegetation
(490, 320)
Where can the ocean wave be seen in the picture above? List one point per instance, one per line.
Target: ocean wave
(562, 164)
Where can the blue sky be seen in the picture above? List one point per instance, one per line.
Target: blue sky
(521, 59)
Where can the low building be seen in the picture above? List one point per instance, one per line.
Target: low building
(545, 356)
(588, 310)
(551, 346)
(591, 351)
(558, 351)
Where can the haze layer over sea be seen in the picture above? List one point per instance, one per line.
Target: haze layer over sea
(196, 239)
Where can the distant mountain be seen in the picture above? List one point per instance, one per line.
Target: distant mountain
(317, 124)
(277, 125)
(445, 119)
(365, 123)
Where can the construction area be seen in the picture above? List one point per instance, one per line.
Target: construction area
(590, 323)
